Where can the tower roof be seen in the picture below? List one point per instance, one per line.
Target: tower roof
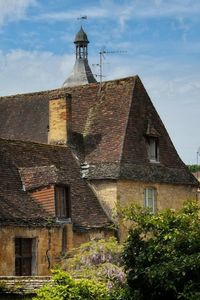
(81, 36)
(81, 73)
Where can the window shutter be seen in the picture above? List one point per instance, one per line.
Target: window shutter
(62, 201)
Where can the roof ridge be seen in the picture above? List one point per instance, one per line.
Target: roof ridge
(67, 89)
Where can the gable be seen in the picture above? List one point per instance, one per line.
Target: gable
(143, 124)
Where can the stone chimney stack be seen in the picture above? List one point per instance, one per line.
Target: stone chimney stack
(59, 120)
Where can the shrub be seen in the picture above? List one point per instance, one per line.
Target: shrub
(162, 253)
(64, 287)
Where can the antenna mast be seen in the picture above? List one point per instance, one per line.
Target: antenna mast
(101, 57)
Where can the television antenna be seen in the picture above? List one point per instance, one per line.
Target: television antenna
(102, 53)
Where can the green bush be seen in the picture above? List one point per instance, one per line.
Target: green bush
(194, 168)
(162, 254)
(64, 287)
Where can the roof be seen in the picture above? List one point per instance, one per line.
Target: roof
(109, 128)
(29, 165)
(80, 75)
(197, 175)
(16, 206)
(81, 36)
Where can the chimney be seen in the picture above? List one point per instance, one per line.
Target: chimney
(59, 120)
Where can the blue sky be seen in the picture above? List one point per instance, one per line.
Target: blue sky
(161, 39)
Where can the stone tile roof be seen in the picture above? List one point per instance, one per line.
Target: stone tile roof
(109, 128)
(27, 165)
(18, 285)
(16, 206)
(80, 75)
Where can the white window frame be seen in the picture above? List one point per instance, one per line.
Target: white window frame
(150, 198)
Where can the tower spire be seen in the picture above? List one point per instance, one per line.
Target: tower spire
(81, 73)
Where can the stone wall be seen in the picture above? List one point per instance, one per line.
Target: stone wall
(125, 192)
(49, 244)
(106, 191)
(48, 247)
(80, 238)
(167, 196)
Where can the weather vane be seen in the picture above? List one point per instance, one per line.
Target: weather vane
(81, 18)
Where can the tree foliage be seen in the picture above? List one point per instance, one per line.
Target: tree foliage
(162, 254)
(194, 168)
(64, 287)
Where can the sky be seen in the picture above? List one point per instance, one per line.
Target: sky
(159, 40)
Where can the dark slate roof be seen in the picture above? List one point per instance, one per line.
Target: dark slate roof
(152, 173)
(81, 36)
(80, 75)
(33, 165)
(109, 128)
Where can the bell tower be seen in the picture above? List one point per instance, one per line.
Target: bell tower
(81, 73)
(81, 42)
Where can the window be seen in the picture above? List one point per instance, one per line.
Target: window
(150, 199)
(24, 256)
(62, 201)
(153, 149)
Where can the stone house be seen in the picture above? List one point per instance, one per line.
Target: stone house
(41, 192)
(68, 156)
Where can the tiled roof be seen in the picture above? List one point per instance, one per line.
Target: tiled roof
(109, 128)
(27, 165)
(16, 206)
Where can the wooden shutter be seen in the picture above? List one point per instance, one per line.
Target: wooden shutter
(62, 198)
(23, 256)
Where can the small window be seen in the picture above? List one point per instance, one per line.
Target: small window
(153, 149)
(150, 199)
(62, 201)
(24, 257)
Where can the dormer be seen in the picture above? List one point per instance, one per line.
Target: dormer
(55, 199)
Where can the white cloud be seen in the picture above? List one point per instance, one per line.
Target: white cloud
(155, 8)
(14, 10)
(130, 10)
(23, 71)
